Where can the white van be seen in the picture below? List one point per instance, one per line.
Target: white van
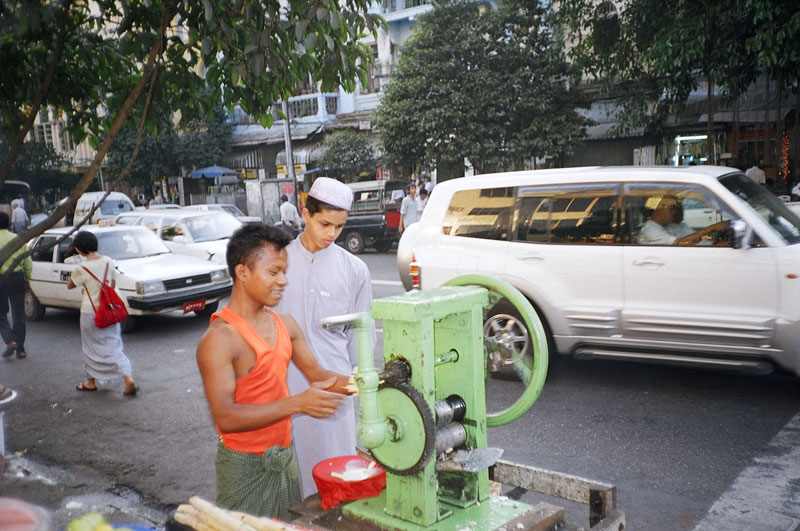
(697, 266)
(114, 204)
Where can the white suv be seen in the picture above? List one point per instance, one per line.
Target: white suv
(694, 265)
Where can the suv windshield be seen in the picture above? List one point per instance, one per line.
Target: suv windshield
(770, 208)
(121, 245)
(211, 227)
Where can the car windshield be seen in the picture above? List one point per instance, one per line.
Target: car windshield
(211, 227)
(232, 210)
(110, 207)
(771, 209)
(122, 245)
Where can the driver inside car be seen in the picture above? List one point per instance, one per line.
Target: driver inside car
(666, 226)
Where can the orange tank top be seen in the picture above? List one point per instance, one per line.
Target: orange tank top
(266, 382)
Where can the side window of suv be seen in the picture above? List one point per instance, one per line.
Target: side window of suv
(675, 214)
(484, 213)
(573, 214)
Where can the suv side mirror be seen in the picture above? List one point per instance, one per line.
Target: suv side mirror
(741, 234)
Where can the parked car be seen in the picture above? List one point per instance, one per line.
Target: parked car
(115, 203)
(574, 242)
(374, 217)
(200, 234)
(150, 278)
(233, 210)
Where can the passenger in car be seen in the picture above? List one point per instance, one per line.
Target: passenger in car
(678, 227)
(658, 229)
(655, 231)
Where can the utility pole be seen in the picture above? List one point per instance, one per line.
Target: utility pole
(287, 135)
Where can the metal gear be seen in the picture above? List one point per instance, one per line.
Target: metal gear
(413, 442)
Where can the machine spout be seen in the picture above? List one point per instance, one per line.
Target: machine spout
(372, 428)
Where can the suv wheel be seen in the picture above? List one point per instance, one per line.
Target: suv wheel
(505, 325)
(354, 242)
(383, 246)
(34, 310)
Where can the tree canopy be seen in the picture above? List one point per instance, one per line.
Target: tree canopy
(104, 63)
(349, 154)
(202, 142)
(653, 53)
(489, 85)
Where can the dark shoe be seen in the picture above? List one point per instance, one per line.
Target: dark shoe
(82, 387)
(21, 354)
(130, 392)
(9, 351)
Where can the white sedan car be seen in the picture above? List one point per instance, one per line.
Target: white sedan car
(200, 234)
(233, 210)
(150, 278)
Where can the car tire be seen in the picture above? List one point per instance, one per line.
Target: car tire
(208, 310)
(505, 316)
(34, 310)
(354, 242)
(383, 246)
(128, 325)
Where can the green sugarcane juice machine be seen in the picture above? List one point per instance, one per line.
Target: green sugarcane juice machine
(423, 417)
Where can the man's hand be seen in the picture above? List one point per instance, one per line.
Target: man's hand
(319, 401)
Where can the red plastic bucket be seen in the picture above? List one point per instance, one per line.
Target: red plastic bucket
(359, 480)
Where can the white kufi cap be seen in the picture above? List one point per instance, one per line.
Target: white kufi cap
(333, 192)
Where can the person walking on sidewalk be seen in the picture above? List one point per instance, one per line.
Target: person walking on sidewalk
(103, 357)
(13, 285)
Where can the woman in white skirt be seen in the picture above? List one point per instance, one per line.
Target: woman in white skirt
(103, 357)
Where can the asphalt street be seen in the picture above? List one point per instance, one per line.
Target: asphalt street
(685, 448)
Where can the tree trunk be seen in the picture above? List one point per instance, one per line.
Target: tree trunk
(710, 144)
(779, 127)
(736, 132)
(796, 134)
(767, 152)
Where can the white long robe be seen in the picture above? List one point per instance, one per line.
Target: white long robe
(323, 284)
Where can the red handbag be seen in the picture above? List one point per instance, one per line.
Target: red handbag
(110, 308)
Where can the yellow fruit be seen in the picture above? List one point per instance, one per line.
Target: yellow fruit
(94, 518)
(104, 527)
(79, 525)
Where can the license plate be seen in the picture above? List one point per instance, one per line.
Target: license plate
(193, 306)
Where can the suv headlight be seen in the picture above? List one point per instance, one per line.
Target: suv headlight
(220, 275)
(150, 287)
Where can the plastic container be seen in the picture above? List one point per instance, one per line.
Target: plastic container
(347, 478)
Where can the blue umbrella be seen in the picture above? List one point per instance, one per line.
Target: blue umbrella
(214, 171)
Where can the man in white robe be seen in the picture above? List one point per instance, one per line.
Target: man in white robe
(324, 280)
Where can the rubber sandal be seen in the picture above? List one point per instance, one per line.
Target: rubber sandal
(21, 354)
(131, 392)
(9, 351)
(82, 387)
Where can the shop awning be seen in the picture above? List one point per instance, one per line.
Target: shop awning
(302, 154)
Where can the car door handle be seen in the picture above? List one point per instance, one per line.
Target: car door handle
(531, 257)
(648, 263)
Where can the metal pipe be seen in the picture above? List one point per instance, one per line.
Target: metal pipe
(372, 428)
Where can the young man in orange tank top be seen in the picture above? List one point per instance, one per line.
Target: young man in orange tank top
(243, 358)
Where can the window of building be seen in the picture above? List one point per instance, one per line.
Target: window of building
(567, 215)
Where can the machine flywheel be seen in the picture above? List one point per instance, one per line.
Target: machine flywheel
(411, 440)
